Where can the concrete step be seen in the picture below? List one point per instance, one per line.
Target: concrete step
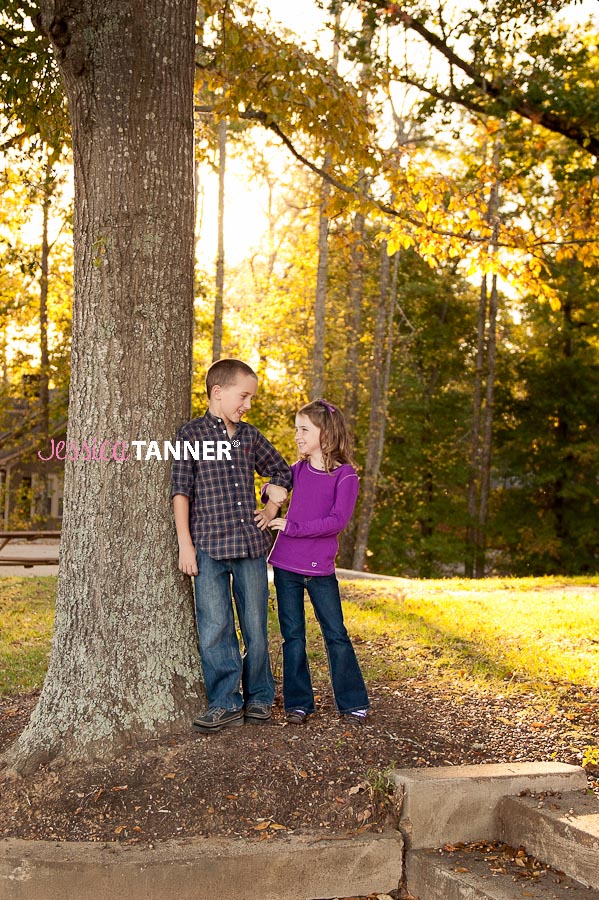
(561, 829)
(459, 803)
(294, 867)
(487, 872)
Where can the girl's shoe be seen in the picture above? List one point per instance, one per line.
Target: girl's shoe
(296, 716)
(357, 716)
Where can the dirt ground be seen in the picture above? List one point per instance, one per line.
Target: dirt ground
(327, 777)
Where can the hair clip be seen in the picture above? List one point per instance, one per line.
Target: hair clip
(329, 406)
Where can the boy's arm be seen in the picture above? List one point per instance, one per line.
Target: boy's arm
(273, 493)
(270, 464)
(181, 491)
(187, 552)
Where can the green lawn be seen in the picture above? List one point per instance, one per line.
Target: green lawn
(495, 634)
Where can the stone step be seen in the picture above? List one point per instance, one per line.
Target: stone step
(562, 829)
(459, 803)
(487, 872)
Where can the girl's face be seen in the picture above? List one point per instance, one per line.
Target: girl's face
(307, 436)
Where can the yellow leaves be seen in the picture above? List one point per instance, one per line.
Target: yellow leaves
(271, 826)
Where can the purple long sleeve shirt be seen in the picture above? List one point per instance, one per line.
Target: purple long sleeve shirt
(321, 506)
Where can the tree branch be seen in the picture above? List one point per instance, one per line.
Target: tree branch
(354, 190)
(495, 89)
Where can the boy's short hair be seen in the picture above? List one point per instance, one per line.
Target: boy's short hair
(225, 371)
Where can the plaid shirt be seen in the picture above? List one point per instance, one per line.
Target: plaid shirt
(221, 492)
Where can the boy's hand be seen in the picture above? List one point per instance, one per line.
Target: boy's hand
(278, 524)
(188, 563)
(262, 518)
(276, 494)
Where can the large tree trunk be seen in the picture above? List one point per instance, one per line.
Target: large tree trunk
(124, 662)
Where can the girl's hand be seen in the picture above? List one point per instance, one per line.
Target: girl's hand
(278, 524)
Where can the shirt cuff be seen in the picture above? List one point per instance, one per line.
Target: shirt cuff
(180, 489)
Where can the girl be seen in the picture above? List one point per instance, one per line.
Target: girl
(325, 487)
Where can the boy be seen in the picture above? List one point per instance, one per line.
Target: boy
(220, 535)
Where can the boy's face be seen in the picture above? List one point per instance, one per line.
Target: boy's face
(233, 400)
(307, 435)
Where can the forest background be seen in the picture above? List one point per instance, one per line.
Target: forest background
(397, 210)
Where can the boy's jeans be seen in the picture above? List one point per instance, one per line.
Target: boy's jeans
(323, 590)
(222, 665)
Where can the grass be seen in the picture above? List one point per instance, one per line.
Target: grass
(491, 634)
(26, 622)
(537, 634)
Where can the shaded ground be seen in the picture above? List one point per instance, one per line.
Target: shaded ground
(326, 777)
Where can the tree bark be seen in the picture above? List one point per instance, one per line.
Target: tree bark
(124, 662)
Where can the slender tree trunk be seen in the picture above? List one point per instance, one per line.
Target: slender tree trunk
(320, 300)
(473, 482)
(481, 447)
(124, 661)
(487, 441)
(41, 503)
(354, 321)
(353, 327)
(217, 342)
(317, 386)
(379, 380)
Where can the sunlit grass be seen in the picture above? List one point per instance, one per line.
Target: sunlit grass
(490, 635)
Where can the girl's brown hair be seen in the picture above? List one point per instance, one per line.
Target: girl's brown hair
(335, 442)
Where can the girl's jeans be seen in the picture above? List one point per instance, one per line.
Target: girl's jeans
(223, 668)
(323, 590)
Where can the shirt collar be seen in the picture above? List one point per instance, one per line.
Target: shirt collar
(215, 420)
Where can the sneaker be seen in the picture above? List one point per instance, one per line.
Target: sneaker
(357, 716)
(216, 718)
(257, 713)
(296, 716)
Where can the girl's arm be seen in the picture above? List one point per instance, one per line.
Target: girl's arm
(340, 514)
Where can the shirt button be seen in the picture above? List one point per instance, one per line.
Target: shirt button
(243, 520)
(239, 503)
(232, 467)
(236, 484)
(314, 564)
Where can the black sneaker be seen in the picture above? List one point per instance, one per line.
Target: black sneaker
(257, 713)
(296, 716)
(216, 718)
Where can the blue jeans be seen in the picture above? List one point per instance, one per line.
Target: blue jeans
(223, 668)
(348, 685)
